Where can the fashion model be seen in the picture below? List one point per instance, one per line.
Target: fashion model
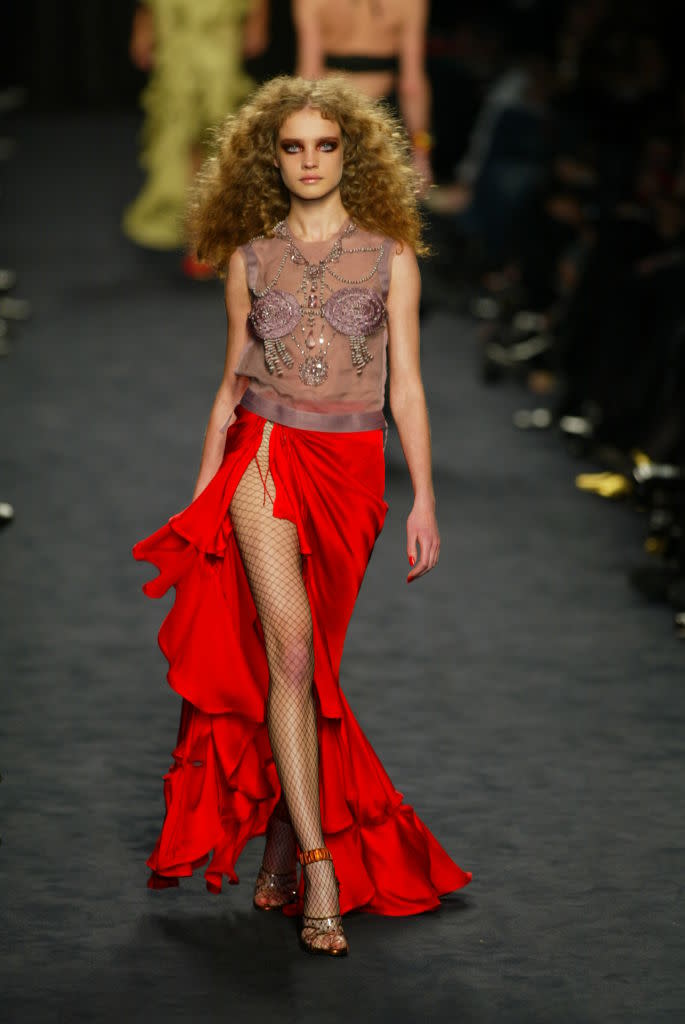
(309, 208)
(193, 51)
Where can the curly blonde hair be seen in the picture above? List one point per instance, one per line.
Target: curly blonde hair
(239, 193)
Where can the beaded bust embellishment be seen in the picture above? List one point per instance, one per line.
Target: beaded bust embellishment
(353, 311)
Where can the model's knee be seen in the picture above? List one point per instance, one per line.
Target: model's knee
(295, 661)
(291, 657)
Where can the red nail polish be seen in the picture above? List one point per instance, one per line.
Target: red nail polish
(412, 561)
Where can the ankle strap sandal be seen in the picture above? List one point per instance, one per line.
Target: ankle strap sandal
(323, 936)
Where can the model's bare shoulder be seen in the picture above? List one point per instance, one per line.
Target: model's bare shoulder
(404, 260)
(413, 12)
(307, 9)
(405, 279)
(236, 266)
(236, 290)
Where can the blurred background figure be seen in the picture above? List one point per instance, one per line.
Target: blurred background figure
(507, 146)
(195, 52)
(380, 45)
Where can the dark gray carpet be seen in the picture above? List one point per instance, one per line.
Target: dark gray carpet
(522, 697)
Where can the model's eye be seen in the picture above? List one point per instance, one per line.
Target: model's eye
(328, 145)
(291, 147)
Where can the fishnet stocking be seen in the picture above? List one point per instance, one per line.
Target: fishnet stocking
(276, 883)
(280, 851)
(270, 552)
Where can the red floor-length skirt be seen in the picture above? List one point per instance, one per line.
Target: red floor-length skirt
(223, 785)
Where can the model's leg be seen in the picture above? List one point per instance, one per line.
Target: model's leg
(280, 852)
(270, 552)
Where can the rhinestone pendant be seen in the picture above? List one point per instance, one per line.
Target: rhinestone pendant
(314, 370)
(310, 343)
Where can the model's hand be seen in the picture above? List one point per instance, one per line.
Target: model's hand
(422, 166)
(452, 198)
(423, 539)
(143, 39)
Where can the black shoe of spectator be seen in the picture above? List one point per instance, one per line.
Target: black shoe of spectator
(659, 485)
(654, 581)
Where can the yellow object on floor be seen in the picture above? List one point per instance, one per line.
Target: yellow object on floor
(606, 485)
(640, 458)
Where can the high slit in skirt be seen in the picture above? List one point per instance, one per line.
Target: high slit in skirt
(223, 786)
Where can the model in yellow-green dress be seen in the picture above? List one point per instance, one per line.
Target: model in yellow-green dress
(194, 52)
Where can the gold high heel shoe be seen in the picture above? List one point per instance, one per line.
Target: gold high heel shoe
(274, 890)
(320, 927)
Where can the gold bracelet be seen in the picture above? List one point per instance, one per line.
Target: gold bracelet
(422, 141)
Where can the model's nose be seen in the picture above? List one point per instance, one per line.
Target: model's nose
(310, 157)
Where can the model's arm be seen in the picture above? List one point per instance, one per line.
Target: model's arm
(232, 388)
(141, 45)
(408, 407)
(414, 87)
(256, 28)
(309, 63)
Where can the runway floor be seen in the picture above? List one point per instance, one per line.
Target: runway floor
(522, 697)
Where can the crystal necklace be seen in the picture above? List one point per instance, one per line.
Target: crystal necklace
(312, 294)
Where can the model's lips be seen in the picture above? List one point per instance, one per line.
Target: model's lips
(310, 179)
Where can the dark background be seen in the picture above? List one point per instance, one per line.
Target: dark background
(74, 55)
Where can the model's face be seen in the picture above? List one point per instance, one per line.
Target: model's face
(309, 154)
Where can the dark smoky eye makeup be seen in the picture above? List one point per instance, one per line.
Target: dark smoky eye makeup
(329, 145)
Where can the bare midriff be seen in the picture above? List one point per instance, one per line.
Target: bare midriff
(376, 84)
(363, 29)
